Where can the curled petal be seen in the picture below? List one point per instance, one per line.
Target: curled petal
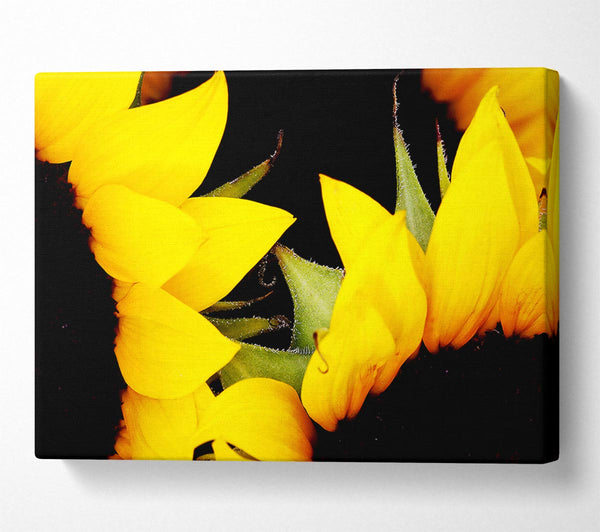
(262, 417)
(239, 232)
(384, 254)
(162, 150)
(67, 104)
(344, 366)
(139, 239)
(488, 210)
(351, 215)
(523, 307)
(379, 313)
(166, 350)
(161, 429)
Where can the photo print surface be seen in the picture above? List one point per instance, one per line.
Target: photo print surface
(298, 265)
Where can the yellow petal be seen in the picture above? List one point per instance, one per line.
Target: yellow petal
(529, 96)
(388, 371)
(553, 224)
(115, 456)
(239, 233)
(166, 350)
(490, 127)
(162, 150)
(386, 270)
(343, 368)
(378, 317)
(448, 84)
(488, 210)
(553, 220)
(67, 104)
(262, 417)
(139, 239)
(552, 288)
(122, 443)
(492, 320)
(522, 96)
(351, 215)
(120, 289)
(161, 429)
(523, 300)
(384, 255)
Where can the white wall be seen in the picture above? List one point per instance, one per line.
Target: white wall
(63, 35)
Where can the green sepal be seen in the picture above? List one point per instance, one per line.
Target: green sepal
(314, 289)
(409, 194)
(543, 210)
(137, 100)
(441, 162)
(224, 306)
(242, 328)
(240, 186)
(257, 361)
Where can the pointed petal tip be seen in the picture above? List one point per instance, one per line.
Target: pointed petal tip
(331, 187)
(282, 219)
(430, 339)
(329, 183)
(158, 340)
(143, 148)
(139, 238)
(492, 95)
(218, 82)
(219, 75)
(351, 215)
(217, 266)
(494, 90)
(490, 103)
(261, 416)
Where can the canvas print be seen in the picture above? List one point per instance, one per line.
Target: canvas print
(298, 265)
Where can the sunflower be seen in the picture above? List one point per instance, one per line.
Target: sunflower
(133, 170)
(485, 260)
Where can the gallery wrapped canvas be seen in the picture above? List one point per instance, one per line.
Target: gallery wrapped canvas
(298, 265)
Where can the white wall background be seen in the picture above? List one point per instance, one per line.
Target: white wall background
(186, 34)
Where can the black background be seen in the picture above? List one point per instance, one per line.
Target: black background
(493, 400)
